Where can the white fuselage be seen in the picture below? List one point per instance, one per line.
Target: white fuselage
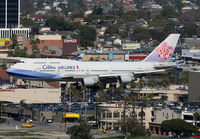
(72, 68)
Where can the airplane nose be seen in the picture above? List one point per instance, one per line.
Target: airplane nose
(9, 70)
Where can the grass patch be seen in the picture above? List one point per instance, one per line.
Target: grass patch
(19, 133)
(2, 120)
(30, 138)
(122, 137)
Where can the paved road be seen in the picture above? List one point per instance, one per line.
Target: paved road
(12, 124)
(53, 130)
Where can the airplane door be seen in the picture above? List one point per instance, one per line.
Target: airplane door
(111, 69)
(88, 71)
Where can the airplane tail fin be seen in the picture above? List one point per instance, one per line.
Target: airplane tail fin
(164, 51)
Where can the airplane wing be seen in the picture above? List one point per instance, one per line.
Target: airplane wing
(11, 59)
(146, 72)
(113, 75)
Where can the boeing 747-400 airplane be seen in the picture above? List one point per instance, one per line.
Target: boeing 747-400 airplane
(91, 72)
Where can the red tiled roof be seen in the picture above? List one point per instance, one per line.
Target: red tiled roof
(53, 84)
(3, 74)
(37, 16)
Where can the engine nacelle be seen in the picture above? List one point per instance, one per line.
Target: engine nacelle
(126, 78)
(89, 81)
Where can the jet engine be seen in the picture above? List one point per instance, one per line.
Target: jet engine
(126, 78)
(89, 81)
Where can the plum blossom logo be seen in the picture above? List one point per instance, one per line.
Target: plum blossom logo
(164, 51)
(77, 67)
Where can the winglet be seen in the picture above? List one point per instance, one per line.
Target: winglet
(164, 51)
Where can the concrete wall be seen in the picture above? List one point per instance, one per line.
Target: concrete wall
(34, 95)
(161, 115)
(172, 94)
(194, 86)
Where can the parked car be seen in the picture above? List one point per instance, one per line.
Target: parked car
(27, 125)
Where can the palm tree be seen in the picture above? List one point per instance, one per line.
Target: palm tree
(34, 44)
(31, 108)
(165, 82)
(22, 107)
(144, 100)
(196, 116)
(2, 107)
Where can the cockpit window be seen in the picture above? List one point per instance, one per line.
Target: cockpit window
(20, 62)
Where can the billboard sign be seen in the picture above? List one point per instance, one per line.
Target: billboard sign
(110, 56)
(131, 46)
(4, 41)
(70, 41)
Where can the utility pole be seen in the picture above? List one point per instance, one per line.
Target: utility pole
(84, 100)
(125, 103)
(1, 108)
(64, 89)
(125, 124)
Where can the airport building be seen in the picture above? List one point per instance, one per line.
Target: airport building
(110, 115)
(49, 44)
(10, 19)
(8, 32)
(175, 95)
(9, 13)
(188, 54)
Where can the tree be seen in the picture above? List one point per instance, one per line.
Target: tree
(32, 108)
(55, 23)
(87, 36)
(81, 131)
(142, 36)
(14, 41)
(165, 82)
(169, 12)
(27, 22)
(174, 76)
(169, 28)
(97, 11)
(141, 84)
(132, 127)
(4, 66)
(190, 16)
(59, 23)
(184, 77)
(197, 117)
(152, 83)
(197, 2)
(34, 44)
(179, 5)
(162, 2)
(144, 100)
(158, 35)
(140, 30)
(112, 29)
(129, 16)
(103, 96)
(1, 108)
(22, 104)
(40, 4)
(27, 7)
(157, 23)
(178, 126)
(142, 13)
(76, 6)
(190, 30)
